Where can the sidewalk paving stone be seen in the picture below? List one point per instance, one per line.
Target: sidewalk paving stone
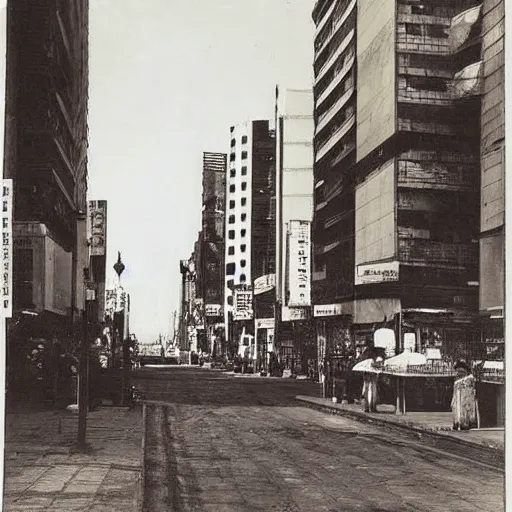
(44, 472)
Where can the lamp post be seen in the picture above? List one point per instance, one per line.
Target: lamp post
(119, 269)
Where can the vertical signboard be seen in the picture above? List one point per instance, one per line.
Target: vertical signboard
(98, 227)
(243, 305)
(299, 266)
(7, 243)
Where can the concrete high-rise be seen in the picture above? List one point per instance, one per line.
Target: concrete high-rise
(46, 156)
(211, 264)
(294, 213)
(250, 229)
(397, 171)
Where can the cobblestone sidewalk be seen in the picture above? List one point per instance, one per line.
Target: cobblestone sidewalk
(43, 471)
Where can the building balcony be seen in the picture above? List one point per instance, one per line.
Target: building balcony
(338, 78)
(454, 130)
(337, 25)
(327, 116)
(424, 252)
(436, 175)
(334, 57)
(336, 136)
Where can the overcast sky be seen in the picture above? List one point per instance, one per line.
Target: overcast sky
(167, 80)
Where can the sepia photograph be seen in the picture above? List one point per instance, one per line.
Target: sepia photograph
(253, 255)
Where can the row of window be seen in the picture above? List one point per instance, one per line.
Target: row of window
(243, 218)
(231, 233)
(232, 203)
(244, 141)
(232, 156)
(231, 249)
(232, 172)
(232, 187)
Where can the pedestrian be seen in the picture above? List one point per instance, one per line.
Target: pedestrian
(464, 403)
(369, 394)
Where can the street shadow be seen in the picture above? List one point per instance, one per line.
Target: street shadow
(195, 386)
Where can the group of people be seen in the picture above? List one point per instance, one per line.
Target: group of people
(464, 402)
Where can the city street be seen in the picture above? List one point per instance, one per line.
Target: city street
(217, 442)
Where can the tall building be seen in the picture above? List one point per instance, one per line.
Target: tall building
(492, 212)
(211, 266)
(46, 156)
(294, 213)
(250, 230)
(397, 170)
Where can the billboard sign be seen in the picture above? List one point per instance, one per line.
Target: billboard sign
(299, 266)
(243, 305)
(7, 193)
(377, 273)
(213, 310)
(97, 217)
(293, 314)
(264, 284)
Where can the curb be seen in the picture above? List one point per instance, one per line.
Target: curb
(487, 455)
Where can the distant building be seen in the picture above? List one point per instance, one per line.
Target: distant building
(294, 207)
(211, 264)
(250, 226)
(46, 156)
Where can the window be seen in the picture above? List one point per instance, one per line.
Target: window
(244, 201)
(437, 31)
(230, 283)
(231, 188)
(243, 232)
(230, 269)
(430, 83)
(243, 263)
(231, 219)
(231, 250)
(427, 10)
(232, 203)
(244, 186)
(243, 278)
(230, 300)
(233, 142)
(231, 234)
(412, 29)
(243, 217)
(232, 157)
(244, 170)
(232, 129)
(244, 139)
(243, 247)
(232, 173)
(244, 155)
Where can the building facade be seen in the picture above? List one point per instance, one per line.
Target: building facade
(492, 210)
(212, 254)
(397, 172)
(249, 231)
(294, 214)
(46, 157)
